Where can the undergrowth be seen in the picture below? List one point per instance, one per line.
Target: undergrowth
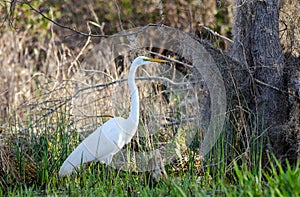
(39, 155)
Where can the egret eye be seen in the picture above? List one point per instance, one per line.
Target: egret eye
(146, 59)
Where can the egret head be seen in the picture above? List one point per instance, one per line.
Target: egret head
(145, 60)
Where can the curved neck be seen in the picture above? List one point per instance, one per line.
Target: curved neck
(135, 105)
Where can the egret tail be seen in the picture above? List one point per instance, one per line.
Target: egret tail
(79, 156)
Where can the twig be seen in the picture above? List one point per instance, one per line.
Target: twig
(101, 27)
(62, 103)
(82, 33)
(275, 88)
(60, 25)
(119, 15)
(172, 60)
(216, 33)
(81, 51)
(173, 121)
(125, 79)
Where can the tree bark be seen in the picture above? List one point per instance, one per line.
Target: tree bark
(257, 44)
(268, 64)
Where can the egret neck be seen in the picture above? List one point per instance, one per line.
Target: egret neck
(135, 105)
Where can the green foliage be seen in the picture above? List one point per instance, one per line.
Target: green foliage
(284, 182)
(22, 17)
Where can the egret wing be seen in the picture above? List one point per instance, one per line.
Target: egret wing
(82, 154)
(101, 145)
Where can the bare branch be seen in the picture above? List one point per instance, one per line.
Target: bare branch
(77, 31)
(119, 15)
(216, 33)
(58, 24)
(125, 79)
(275, 88)
(172, 60)
(81, 51)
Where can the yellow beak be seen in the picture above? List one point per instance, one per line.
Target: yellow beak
(157, 60)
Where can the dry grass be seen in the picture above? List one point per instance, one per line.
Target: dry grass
(26, 63)
(31, 55)
(290, 27)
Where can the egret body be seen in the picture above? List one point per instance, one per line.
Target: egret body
(108, 139)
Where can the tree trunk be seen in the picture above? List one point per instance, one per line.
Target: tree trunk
(257, 44)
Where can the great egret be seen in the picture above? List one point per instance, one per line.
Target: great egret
(108, 139)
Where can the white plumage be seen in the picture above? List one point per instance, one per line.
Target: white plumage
(108, 139)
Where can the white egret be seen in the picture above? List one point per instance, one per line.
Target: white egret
(108, 139)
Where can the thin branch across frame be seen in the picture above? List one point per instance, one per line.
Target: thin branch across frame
(75, 30)
(84, 88)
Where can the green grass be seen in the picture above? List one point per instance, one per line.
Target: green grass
(91, 183)
(38, 161)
